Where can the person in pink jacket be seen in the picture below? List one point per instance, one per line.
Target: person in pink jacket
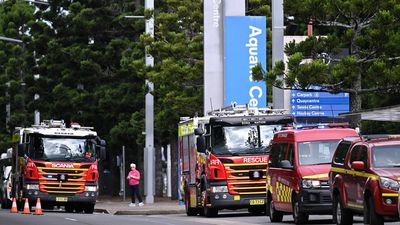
(134, 180)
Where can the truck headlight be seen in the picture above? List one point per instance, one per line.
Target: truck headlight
(90, 188)
(32, 186)
(310, 184)
(388, 183)
(216, 189)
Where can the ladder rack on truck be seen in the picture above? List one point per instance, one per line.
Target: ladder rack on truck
(243, 110)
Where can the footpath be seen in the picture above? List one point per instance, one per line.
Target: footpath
(116, 206)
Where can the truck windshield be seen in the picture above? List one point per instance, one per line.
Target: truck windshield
(243, 140)
(386, 156)
(62, 149)
(316, 152)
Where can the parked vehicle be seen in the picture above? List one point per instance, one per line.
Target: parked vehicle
(57, 164)
(297, 174)
(365, 179)
(5, 183)
(223, 158)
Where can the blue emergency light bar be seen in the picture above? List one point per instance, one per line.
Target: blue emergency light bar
(321, 125)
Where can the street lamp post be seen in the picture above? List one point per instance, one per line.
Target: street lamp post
(149, 159)
(149, 156)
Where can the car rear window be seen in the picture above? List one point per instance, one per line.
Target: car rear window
(341, 152)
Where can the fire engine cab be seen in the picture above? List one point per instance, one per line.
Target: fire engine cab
(57, 164)
(223, 158)
(297, 174)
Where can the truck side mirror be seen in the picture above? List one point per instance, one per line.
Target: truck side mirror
(102, 142)
(198, 131)
(285, 164)
(201, 144)
(358, 165)
(103, 153)
(102, 150)
(21, 150)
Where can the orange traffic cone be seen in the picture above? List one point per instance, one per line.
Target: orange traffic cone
(14, 208)
(26, 207)
(38, 209)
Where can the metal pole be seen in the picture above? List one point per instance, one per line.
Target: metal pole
(123, 173)
(169, 170)
(149, 109)
(11, 40)
(8, 107)
(36, 98)
(277, 48)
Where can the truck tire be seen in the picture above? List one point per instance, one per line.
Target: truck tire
(207, 211)
(5, 203)
(256, 210)
(69, 208)
(78, 208)
(341, 216)
(88, 208)
(298, 217)
(274, 215)
(210, 212)
(190, 211)
(372, 216)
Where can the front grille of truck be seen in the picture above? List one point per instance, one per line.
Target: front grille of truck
(240, 180)
(49, 180)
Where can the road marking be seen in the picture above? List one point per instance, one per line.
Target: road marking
(71, 219)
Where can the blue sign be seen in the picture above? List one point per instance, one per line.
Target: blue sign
(318, 103)
(245, 47)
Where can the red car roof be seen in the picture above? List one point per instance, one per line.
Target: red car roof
(316, 134)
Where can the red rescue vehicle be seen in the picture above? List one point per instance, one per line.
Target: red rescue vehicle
(223, 158)
(365, 178)
(297, 175)
(57, 164)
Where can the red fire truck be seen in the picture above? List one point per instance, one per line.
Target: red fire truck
(58, 165)
(223, 159)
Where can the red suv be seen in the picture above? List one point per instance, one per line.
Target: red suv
(364, 179)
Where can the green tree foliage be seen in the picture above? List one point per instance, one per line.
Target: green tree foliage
(15, 64)
(90, 62)
(177, 74)
(368, 30)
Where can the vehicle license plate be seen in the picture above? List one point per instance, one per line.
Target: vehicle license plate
(257, 202)
(61, 199)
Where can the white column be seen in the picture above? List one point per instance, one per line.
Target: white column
(169, 192)
(149, 181)
(277, 49)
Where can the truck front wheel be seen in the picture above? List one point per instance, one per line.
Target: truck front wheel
(5, 203)
(370, 214)
(274, 215)
(299, 217)
(89, 208)
(69, 208)
(341, 215)
(208, 211)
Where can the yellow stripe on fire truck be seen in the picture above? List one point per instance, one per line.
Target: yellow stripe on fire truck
(283, 192)
(269, 186)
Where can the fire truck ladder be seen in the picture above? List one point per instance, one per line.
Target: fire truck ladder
(244, 110)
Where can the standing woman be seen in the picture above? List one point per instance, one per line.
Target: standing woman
(134, 179)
